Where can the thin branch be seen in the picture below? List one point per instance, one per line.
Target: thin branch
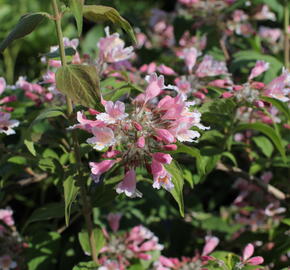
(278, 194)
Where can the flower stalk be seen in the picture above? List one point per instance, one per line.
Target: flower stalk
(83, 191)
(286, 35)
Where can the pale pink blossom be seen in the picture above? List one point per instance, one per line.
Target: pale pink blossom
(6, 215)
(6, 263)
(2, 85)
(190, 55)
(114, 221)
(210, 244)
(103, 137)
(6, 124)
(114, 112)
(112, 48)
(277, 88)
(155, 86)
(162, 157)
(85, 123)
(165, 135)
(211, 67)
(161, 176)
(141, 142)
(165, 70)
(247, 256)
(128, 185)
(98, 168)
(265, 14)
(260, 67)
(270, 34)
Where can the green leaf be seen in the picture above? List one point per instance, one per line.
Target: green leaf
(268, 131)
(81, 84)
(47, 212)
(264, 144)
(69, 51)
(281, 106)
(194, 152)
(97, 13)
(86, 266)
(177, 180)
(30, 146)
(76, 7)
(85, 244)
(47, 113)
(252, 56)
(18, 160)
(70, 194)
(25, 26)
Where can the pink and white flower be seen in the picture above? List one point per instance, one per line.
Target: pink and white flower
(6, 263)
(98, 168)
(103, 137)
(112, 48)
(128, 185)
(260, 67)
(114, 112)
(6, 124)
(6, 215)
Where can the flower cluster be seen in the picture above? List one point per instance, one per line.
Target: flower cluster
(6, 123)
(11, 245)
(149, 128)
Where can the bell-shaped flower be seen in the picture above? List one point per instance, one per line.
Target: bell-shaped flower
(161, 177)
(85, 123)
(247, 256)
(128, 185)
(6, 263)
(211, 67)
(277, 88)
(2, 85)
(155, 86)
(114, 111)
(6, 216)
(103, 137)
(6, 124)
(190, 55)
(210, 244)
(259, 68)
(98, 168)
(114, 221)
(112, 48)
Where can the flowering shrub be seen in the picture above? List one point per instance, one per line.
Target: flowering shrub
(195, 105)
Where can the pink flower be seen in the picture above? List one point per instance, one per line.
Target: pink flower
(277, 87)
(114, 112)
(166, 70)
(155, 86)
(114, 221)
(112, 48)
(260, 67)
(161, 176)
(128, 185)
(247, 256)
(270, 34)
(103, 137)
(162, 158)
(190, 55)
(7, 263)
(98, 168)
(141, 142)
(49, 77)
(6, 216)
(7, 125)
(210, 244)
(85, 123)
(165, 135)
(211, 67)
(265, 14)
(2, 85)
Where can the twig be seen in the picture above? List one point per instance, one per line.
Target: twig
(278, 194)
